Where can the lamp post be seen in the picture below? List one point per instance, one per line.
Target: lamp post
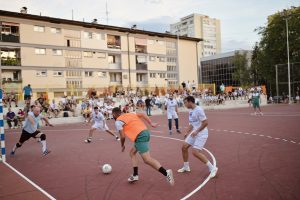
(288, 54)
(129, 70)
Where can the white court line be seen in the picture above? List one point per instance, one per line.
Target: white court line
(284, 140)
(293, 141)
(253, 133)
(277, 138)
(261, 135)
(205, 181)
(269, 136)
(29, 181)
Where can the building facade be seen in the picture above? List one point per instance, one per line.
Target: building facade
(218, 69)
(200, 26)
(60, 56)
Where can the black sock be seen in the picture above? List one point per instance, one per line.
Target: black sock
(163, 171)
(135, 171)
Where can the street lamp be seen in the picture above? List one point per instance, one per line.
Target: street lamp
(288, 54)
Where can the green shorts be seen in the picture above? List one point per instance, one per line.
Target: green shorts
(142, 142)
(255, 104)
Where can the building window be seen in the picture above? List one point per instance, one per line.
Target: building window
(139, 78)
(73, 73)
(57, 52)
(152, 58)
(58, 73)
(162, 75)
(88, 73)
(88, 54)
(72, 43)
(39, 51)
(102, 74)
(152, 75)
(41, 73)
(114, 41)
(162, 59)
(39, 28)
(88, 35)
(55, 30)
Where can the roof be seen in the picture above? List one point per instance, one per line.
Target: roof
(92, 25)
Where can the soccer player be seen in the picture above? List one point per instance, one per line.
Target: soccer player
(172, 110)
(131, 125)
(100, 124)
(30, 130)
(196, 137)
(256, 101)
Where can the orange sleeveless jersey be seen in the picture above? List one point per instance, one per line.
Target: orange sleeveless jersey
(133, 125)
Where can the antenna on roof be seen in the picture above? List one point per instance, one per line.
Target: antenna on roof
(72, 15)
(23, 10)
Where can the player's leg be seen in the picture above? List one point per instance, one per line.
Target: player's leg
(170, 125)
(185, 156)
(177, 125)
(142, 146)
(24, 136)
(89, 138)
(42, 136)
(134, 161)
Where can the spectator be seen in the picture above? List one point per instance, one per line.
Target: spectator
(54, 108)
(20, 117)
(148, 106)
(12, 97)
(27, 93)
(11, 117)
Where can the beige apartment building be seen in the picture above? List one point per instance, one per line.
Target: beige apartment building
(60, 56)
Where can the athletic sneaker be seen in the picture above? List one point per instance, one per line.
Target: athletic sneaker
(133, 178)
(88, 141)
(117, 138)
(178, 131)
(213, 172)
(184, 169)
(170, 132)
(170, 177)
(46, 152)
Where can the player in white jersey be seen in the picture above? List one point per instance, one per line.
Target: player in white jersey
(172, 110)
(99, 123)
(196, 137)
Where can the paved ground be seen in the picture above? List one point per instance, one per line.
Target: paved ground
(257, 156)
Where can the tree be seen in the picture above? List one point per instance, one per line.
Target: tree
(272, 48)
(242, 71)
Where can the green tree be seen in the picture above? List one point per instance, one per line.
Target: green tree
(242, 70)
(272, 48)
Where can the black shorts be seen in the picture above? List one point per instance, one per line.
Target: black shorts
(27, 97)
(26, 136)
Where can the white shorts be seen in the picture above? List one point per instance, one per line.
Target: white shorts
(199, 141)
(99, 126)
(172, 115)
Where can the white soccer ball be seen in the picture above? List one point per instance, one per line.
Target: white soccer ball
(106, 168)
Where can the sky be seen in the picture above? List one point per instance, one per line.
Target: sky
(238, 18)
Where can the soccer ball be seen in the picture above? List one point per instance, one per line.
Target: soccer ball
(106, 168)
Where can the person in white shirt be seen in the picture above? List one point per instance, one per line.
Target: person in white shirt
(99, 123)
(172, 110)
(196, 137)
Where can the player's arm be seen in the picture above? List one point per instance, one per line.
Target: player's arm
(31, 120)
(188, 131)
(147, 119)
(204, 124)
(122, 138)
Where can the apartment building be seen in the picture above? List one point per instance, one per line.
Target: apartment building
(200, 26)
(60, 56)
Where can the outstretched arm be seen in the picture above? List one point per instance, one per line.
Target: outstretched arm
(147, 119)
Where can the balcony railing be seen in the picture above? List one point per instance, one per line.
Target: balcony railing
(114, 65)
(9, 80)
(10, 38)
(11, 62)
(141, 66)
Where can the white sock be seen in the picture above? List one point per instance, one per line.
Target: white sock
(210, 166)
(44, 145)
(186, 165)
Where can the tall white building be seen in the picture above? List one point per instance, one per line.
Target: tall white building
(200, 26)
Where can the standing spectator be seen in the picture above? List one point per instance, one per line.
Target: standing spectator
(148, 106)
(172, 110)
(193, 85)
(11, 117)
(20, 117)
(27, 93)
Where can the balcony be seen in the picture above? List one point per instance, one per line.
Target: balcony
(141, 66)
(113, 42)
(140, 49)
(114, 61)
(10, 61)
(10, 38)
(114, 65)
(10, 80)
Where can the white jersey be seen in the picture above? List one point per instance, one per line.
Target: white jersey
(171, 108)
(196, 116)
(98, 118)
